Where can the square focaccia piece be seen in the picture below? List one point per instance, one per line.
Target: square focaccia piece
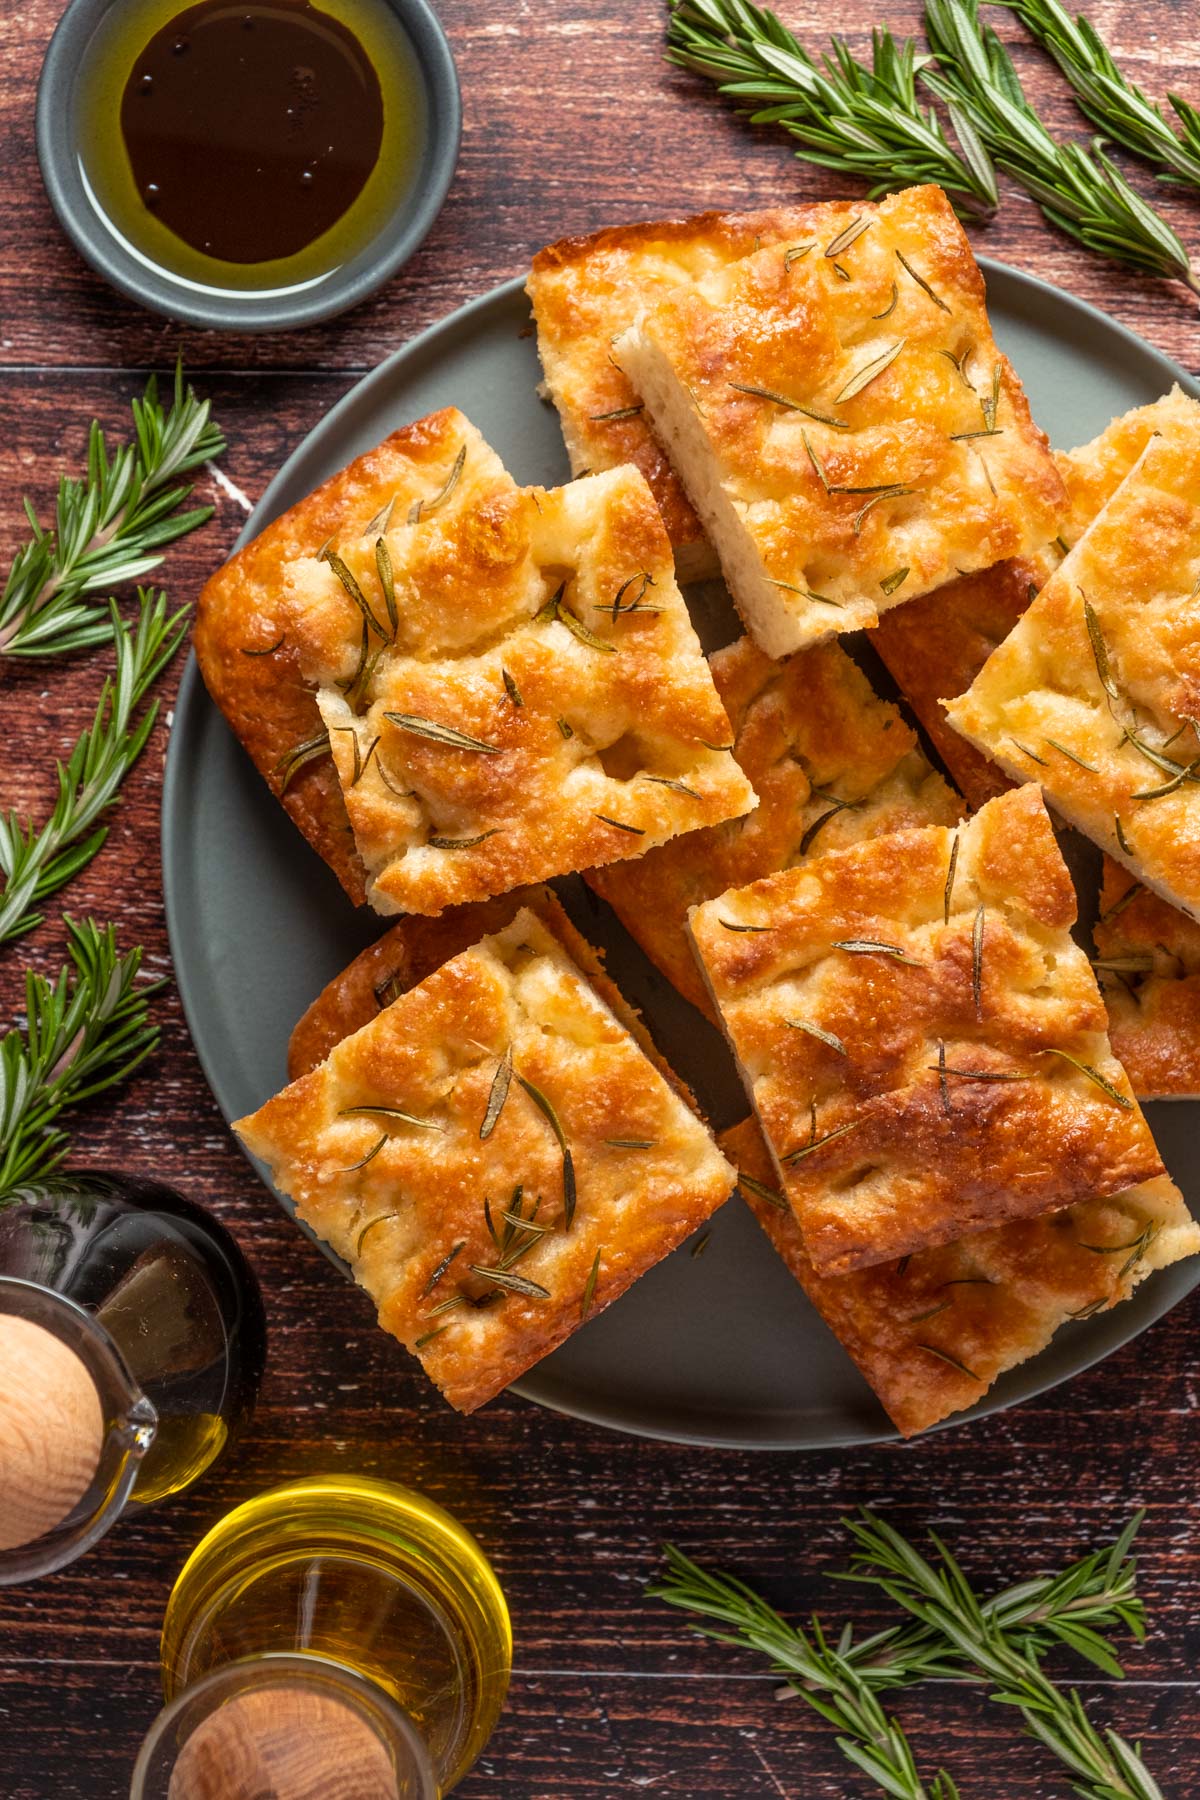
(250, 663)
(585, 291)
(831, 764)
(494, 1156)
(512, 689)
(1096, 692)
(842, 420)
(932, 1332)
(924, 1045)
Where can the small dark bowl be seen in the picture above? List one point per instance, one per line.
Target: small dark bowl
(228, 310)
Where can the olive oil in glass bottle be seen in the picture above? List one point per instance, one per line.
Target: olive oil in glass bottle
(344, 1579)
(132, 1343)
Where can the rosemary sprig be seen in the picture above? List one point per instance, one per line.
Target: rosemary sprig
(37, 863)
(859, 121)
(85, 1031)
(109, 526)
(1080, 191)
(942, 1599)
(1108, 98)
(841, 1679)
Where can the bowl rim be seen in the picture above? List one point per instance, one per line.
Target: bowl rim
(229, 311)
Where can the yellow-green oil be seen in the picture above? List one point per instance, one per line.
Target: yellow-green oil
(366, 1574)
(121, 36)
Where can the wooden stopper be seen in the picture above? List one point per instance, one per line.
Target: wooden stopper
(51, 1431)
(283, 1743)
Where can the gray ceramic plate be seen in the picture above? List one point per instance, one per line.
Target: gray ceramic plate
(722, 1349)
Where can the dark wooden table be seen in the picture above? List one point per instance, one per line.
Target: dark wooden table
(571, 121)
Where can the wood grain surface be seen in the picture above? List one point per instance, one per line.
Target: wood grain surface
(571, 121)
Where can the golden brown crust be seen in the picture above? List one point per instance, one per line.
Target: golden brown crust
(584, 292)
(239, 618)
(890, 393)
(1106, 741)
(545, 632)
(880, 1154)
(932, 1332)
(830, 762)
(935, 646)
(396, 1196)
(1149, 967)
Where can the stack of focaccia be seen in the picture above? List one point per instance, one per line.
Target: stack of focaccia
(460, 688)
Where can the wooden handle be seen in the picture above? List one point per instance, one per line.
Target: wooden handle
(51, 1431)
(283, 1743)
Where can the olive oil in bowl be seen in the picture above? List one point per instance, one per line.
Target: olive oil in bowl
(249, 148)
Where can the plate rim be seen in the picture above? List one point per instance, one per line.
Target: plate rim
(192, 694)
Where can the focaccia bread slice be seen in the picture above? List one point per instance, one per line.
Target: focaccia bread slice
(924, 1045)
(512, 690)
(932, 1332)
(842, 420)
(831, 764)
(1096, 692)
(495, 1158)
(248, 661)
(585, 291)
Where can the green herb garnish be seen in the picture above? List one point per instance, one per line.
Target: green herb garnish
(546, 1108)
(85, 1031)
(290, 764)
(826, 1037)
(467, 843)
(1093, 1075)
(865, 122)
(589, 1292)
(875, 947)
(389, 1112)
(515, 1284)
(870, 371)
(920, 281)
(1080, 191)
(1108, 98)
(441, 734)
(761, 393)
(819, 1143)
(999, 1644)
(420, 508)
(109, 527)
(36, 863)
(951, 869)
(497, 1094)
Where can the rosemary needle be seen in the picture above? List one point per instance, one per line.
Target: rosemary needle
(35, 863)
(1108, 99)
(109, 526)
(85, 1030)
(859, 121)
(1080, 191)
